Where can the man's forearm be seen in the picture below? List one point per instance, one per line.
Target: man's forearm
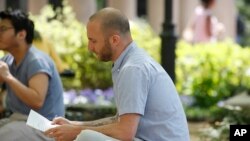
(99, 122)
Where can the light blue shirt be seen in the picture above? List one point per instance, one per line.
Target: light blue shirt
(36, 62)
(142, 86)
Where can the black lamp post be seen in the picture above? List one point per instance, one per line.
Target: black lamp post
(168, 41)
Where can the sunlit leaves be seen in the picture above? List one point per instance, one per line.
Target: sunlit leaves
(213, 71)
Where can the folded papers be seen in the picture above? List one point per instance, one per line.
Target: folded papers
(37, 121)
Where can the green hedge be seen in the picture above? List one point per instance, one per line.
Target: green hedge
(212, 72)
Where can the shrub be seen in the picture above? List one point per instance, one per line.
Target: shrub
(212, 72)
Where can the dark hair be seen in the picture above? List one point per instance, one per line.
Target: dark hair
(206, 3)
(20, 21)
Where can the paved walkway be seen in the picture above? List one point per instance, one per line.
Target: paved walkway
(194, 128)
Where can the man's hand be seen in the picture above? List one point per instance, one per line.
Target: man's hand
(4, 71)
(60, 121)
(64, 132)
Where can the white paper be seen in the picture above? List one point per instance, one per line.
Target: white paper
(38, 122)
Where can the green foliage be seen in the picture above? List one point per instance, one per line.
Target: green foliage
(219, 131)
(212, 72)
(100, 4)
(242, 7)
(244, 12)
(196, 114)
(69, 38)
(1, 53)
(214, 113)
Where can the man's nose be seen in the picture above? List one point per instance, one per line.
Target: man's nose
(90, 47)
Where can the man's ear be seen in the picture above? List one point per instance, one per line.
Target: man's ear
(114, 39)
(21, 35)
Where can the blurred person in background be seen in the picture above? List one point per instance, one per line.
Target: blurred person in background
(204, 26)
(30, 76)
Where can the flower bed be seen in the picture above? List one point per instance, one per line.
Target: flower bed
(89, 104)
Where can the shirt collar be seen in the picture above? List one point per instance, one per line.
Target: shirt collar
(117, 64)
(25, 56)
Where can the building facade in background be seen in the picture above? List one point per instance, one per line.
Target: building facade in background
(152, 10)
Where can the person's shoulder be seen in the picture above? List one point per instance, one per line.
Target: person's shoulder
(36, 54)
(138, 56)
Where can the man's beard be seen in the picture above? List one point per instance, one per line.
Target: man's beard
(106, 52)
